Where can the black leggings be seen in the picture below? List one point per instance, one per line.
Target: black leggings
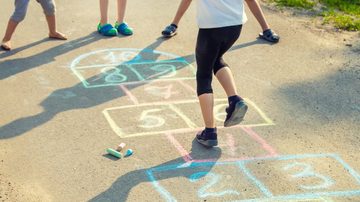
(210, 47)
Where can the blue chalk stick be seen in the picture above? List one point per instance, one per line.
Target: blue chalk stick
(129, 152)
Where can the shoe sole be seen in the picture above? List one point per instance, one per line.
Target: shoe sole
(5, 48)
(267, 39)
(208, 143)
(238, 115)
(169, 36)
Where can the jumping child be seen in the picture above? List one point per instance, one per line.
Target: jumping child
(220, 24)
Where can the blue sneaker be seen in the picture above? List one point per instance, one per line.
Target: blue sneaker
(235, 113)
(124, 28)
(169, 31)
(107, 30)
(207, 139)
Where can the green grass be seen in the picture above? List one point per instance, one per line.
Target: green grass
(343, 14)
(351, 7)
(342, 21)
(307, 4)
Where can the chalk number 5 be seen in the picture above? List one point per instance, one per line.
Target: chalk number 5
(151, 121)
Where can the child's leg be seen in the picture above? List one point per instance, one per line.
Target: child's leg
(104, 27)
(121, 26)
(221, 69)
(226, 79)
(206, 53)
(53, 33)
(18, 16)
(267, 34)
(237, 108)
(10, 29)
(257, 12)
(184, 5)
(49, 11)
(104, 4)
(170, 30)
(207, 104)
(121, 7)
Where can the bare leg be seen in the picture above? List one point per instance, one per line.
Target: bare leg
(121, 6)
(236, 109)
(104, 4)
(10, 29)
(184, 5)
(53, 33)
(226, 80)
(257, 12)
(207, 105)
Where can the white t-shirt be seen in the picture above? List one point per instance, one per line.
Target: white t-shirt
(220, 13)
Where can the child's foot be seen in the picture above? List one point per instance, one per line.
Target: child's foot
(6, 45)
(123, 28)
(270, 36)
(169, 31)
(235, 112)
(207, 137)
(107, 30)
(57, 35)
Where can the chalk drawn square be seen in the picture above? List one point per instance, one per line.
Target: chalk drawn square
(111, 67)
(303, 176)
(235, 143)
(254, 117)
(179, 117)
(110, 75)
(202, 181)
(160, 91)
(147, 119)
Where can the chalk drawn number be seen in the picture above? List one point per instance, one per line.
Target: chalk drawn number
(164, 70)
(307, 171)
(165, 91)
(151, 121)
(113, 75)
(212, 180)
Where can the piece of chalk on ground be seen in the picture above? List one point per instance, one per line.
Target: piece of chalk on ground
(129, 152)
(121, 146)
(114, 153)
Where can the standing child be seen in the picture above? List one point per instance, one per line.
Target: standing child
(120, 26)
(267, 33)
(220, 24)
(19, 15)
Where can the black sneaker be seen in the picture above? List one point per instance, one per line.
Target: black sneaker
(235, 113)
(207, 139)
(169, 31)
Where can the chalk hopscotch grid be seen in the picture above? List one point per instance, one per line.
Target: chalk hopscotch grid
(248, 131)
(189, 162)
(268, 196)
(75, 67)
(192, 127)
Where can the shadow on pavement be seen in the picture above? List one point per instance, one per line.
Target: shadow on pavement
(11, 67)
(76, 97)
(120, 189)
(330, 99)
